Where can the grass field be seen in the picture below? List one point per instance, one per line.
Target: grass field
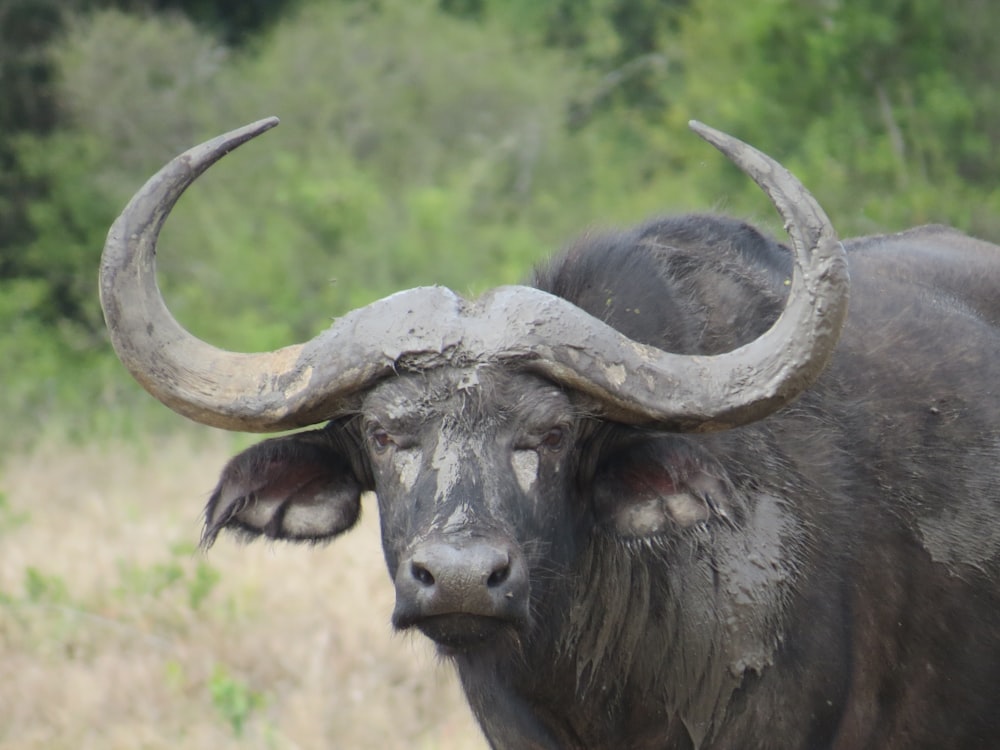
(116, 633)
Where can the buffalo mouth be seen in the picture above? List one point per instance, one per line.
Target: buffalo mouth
(459, 631)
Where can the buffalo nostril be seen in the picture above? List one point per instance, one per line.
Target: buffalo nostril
(458, 589)
(498, 576)
(421, 574)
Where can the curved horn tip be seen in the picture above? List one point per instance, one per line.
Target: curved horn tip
(263, 124)
(698, 126)
(241, 135)
(722, 141)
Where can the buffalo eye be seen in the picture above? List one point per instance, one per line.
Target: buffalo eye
(553, 439)
(381, 440)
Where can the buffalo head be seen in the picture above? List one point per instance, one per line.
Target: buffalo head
(473, 421)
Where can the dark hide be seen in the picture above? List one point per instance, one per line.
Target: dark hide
(825, 578)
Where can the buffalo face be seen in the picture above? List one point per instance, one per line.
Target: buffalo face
(469, 467)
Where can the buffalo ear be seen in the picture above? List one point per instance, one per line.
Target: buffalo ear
(299, 487)
(658, 485)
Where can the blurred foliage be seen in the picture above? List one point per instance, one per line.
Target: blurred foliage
(182, 570)
(233, 698)
(885, 108)
(33, 101)
(10, 519)
(441, 141)
(626, 42)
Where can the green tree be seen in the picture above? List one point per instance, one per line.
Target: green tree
(234, 21)
(889, 106)
(26, 105)
(53, 213)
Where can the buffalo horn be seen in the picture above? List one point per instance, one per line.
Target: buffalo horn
(428, 327)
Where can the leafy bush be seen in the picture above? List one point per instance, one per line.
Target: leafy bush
(233, 699)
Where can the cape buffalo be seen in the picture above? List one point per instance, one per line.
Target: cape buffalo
(649, 501)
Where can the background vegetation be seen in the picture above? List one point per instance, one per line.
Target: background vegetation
(115, 635)
(423, 141)
(445, 141)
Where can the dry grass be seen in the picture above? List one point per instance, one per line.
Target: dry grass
(115, 633)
